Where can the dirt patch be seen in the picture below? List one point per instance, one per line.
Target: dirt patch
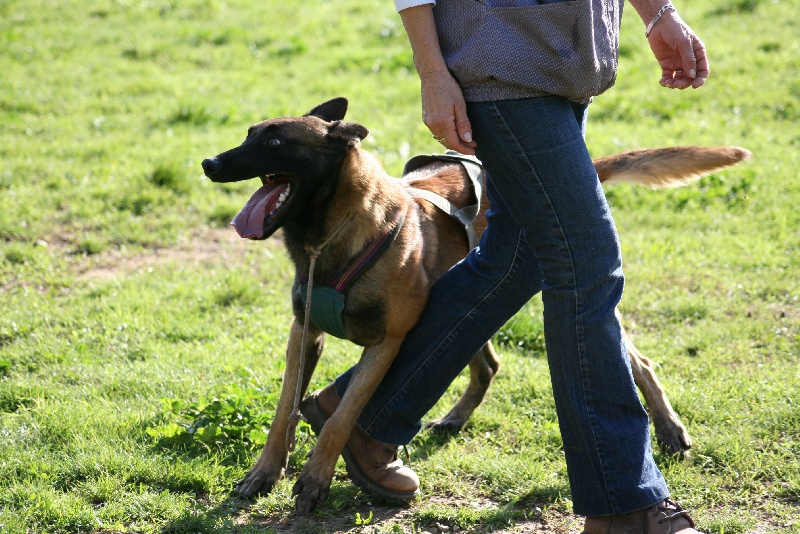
(209, 247)
(385, 519)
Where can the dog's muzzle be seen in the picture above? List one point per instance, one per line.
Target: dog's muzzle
(211, 166)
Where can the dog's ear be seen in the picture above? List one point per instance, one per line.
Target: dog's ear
(332, 110)
(349, 132)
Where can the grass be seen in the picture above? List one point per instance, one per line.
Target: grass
(141, 344)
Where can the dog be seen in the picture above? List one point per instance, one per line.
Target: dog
(333, 199)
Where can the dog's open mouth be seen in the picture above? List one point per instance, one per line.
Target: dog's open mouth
(261, 216)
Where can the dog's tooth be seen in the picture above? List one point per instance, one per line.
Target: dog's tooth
(281, 199)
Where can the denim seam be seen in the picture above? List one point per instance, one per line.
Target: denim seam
(578, 326)
(487, 298)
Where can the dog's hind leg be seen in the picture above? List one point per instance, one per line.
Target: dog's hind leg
(482, 369)
(671, 434)
(271, 465)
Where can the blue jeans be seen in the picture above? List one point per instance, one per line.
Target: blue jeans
(550, 230)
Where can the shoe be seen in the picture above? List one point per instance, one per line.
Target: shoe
(373, 466)
(665, 517)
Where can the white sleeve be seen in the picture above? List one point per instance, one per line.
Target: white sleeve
(405, 4)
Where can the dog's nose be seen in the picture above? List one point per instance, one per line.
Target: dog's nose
(211, 166)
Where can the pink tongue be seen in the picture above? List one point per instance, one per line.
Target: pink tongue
(250, 221)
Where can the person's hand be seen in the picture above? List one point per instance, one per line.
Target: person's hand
(681, 54)
(445, 113)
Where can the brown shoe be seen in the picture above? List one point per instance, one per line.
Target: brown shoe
(665, 517)
(372, 465)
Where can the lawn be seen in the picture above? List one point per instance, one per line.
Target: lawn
(141, 342)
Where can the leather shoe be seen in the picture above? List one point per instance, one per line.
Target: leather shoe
(665, 517)
(371, 464)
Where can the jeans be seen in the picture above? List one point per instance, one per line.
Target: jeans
(550, 230)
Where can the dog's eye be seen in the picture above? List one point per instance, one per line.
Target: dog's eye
(274, 141)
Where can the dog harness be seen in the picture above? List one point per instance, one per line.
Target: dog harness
(328, 297)
(465, 215)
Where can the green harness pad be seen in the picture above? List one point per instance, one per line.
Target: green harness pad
(327, 306)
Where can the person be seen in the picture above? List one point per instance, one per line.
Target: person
(510, 81)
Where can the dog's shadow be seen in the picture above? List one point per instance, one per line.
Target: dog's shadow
(346, 507)
(428, 442)
(274, 512)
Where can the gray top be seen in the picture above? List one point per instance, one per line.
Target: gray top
(508, 49)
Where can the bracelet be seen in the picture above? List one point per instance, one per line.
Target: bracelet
(655, 19)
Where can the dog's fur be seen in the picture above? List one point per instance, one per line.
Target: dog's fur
(337, 187)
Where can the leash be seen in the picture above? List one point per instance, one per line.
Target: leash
(296, 416)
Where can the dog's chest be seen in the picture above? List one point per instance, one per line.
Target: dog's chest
(342, 315)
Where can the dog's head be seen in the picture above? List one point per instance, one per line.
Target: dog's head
(297, 159)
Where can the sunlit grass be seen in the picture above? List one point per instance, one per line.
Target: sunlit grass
(124, 313)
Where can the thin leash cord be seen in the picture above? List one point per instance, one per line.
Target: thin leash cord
(296, 416)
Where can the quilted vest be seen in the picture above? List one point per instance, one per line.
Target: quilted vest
(510, 49)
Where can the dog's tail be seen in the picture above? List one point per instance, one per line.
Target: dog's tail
(667, 167)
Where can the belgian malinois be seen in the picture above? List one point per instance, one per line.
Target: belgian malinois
(333, 200)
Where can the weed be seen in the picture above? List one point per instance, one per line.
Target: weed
(13, 398)
(16, 254)
(170, 176)
(90, 245)
(363, 521)
(216, 422)
(191, 115)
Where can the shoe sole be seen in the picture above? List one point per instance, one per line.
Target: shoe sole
(316, 418)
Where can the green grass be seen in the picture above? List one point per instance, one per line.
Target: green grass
(135, 329)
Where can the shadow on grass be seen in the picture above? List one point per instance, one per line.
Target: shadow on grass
(346, 508)
(428, 441)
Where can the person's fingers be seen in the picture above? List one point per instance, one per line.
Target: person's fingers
(681, 80)
(682, 77)
(450, 138)
(694, 63)
(667, 77)
(703, 69)
(677, 80)
(463, 126)
(688, 59)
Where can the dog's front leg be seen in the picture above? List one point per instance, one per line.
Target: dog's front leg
(314, 482)
(271, 465)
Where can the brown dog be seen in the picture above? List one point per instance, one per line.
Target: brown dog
(334, 201)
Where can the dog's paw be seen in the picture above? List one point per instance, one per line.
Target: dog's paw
(258, 482)
(446, 425)
(310, 492)
(672, 437)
